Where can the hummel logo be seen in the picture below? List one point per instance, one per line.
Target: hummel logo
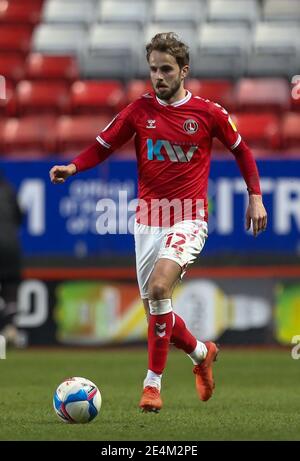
(151, 124)
(160, 329)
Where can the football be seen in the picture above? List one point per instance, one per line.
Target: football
(77, 400)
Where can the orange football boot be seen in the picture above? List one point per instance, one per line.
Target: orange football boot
(204, 375)
(150, 400)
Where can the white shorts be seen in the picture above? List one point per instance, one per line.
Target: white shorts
(181, 243)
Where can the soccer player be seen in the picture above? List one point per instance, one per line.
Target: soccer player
(173, 137)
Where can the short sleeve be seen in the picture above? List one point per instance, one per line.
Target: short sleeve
(224, 128)
(119, 130)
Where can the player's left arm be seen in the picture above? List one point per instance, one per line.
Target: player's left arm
(226, 132)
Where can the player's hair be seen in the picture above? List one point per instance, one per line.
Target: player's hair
(170, 43)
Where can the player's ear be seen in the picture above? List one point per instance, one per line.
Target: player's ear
(185, 71)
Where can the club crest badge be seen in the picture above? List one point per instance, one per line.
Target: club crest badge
(190, 126)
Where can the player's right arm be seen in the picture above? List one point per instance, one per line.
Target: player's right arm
(114, 135)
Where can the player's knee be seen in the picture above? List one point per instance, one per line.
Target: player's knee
(159, 290)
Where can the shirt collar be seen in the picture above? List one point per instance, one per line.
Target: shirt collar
(176, 103)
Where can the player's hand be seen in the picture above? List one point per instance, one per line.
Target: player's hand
(60, 173)
(256, 214)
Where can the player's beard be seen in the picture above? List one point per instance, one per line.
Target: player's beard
(167, 93)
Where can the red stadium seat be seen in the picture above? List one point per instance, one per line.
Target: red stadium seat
(15, 38)
(291, 132)
(2, 125)
(20, 11)
(12, 66)
(260, 131)
(220, 91)
(74, 133)
(39, 66)
(263, 94)
(29, 136)
(37, 97)
(88, 97)
(137, 88)
(8, 103)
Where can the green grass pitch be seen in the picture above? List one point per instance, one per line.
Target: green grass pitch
(256, 398)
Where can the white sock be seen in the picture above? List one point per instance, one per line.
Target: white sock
(152, 379)
(199, 353)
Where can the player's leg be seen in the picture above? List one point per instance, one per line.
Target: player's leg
(147, 244)
(182, 244)
(150, 248)
(160, 324)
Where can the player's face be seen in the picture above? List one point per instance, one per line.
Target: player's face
(166, 76)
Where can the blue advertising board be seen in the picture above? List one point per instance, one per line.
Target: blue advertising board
(69, 219)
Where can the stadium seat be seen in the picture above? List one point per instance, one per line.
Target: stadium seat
(170, 11)
(75, 133)
(106, 97)
(230, 10)
(135, 11)
(262, 95)
(260, 131)
(69, 12)
(287, 10)
(59, 39)
(29, 137)
(220, 91)
(2, 125)
(42, 96)
(136, 88)
(15, 38)
(275, 49)
(8, 104)
(20, 12)
(222, 50)
(12, 66)
(43, 67)
(291, 131)
(112, 51)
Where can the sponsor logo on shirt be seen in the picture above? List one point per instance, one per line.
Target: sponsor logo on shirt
(161, 150)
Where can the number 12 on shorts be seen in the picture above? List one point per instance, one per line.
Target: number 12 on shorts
(176, 240)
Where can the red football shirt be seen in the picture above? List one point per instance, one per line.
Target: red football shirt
(173, 149)
(173, 146)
